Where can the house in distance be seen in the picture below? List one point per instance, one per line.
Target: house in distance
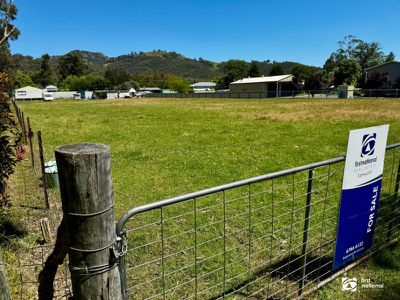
(203, 87)
(28, 93)
(154, 90)
(49, 93)
(391, 69)
(272, 86)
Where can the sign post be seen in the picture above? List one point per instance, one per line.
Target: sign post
(361, 189)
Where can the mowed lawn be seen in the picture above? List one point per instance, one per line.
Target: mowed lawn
(166, 147)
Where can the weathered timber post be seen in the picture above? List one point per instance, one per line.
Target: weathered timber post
(42, 168)
(30, 135)
(4, 289)
(24, 127)
(87, 200)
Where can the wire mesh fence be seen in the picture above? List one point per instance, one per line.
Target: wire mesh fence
(35, 208)
(332, 93)
(23, 269)
(267, 237)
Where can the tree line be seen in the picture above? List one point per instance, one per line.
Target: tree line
(346, 65)
(72, 73)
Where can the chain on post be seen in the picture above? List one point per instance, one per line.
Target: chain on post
(120, 249)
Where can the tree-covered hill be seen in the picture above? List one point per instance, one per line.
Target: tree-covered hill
(136, 63)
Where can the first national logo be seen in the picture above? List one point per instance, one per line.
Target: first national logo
(368, 144)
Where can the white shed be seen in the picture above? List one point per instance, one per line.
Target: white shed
(112, 95)
(129, 94)
(272, 86)
(28, 93)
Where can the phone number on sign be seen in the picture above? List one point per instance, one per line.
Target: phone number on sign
(354, 247)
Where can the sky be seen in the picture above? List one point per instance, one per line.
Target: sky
(304, 31)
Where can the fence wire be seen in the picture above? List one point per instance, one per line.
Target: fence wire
(272, 238)
(24, 247)
(295, 94)
(23, 268)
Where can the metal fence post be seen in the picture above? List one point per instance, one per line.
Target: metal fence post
(306, 227)
(88, 208)
(394, 203)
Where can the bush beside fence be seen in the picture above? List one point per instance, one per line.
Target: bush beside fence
(38, 208)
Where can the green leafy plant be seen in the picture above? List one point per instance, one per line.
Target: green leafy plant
(10, 139)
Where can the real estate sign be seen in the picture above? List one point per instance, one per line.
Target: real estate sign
(361, 190)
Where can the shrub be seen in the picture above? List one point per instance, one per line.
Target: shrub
(378, 80)
(9, 140)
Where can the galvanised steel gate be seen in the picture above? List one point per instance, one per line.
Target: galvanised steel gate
(271, 236)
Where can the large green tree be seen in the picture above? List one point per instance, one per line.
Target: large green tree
(347, 72)
(390, 57)
(254, 70)
(177, 83)
(352, 49)
(303, 71)
(233, 69)
(276, 70)
(8, 14)
(46, 75)
(116, 76)
(8, 31)
(22, 79)
(71, 64)
(85, 83)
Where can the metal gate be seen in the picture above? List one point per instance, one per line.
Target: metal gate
(271, 236)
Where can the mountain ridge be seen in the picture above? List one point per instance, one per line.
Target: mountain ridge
(156, 61)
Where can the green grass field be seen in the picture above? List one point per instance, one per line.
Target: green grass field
(166, 147)
(162, 148)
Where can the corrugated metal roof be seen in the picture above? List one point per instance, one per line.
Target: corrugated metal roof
(150, 89)
(203, 84)
(28, 88)
(385, 63)
(277, 78)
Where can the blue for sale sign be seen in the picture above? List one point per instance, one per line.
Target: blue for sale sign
(361, 189)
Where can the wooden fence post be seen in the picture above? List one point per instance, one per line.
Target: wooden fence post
(4, 289)
(19, 118)
(44, 182)
(30, 134)
(24, 127)
(88, 206)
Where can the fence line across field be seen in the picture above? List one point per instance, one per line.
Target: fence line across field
(334, 93)
(270, 236)
(293, 94)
